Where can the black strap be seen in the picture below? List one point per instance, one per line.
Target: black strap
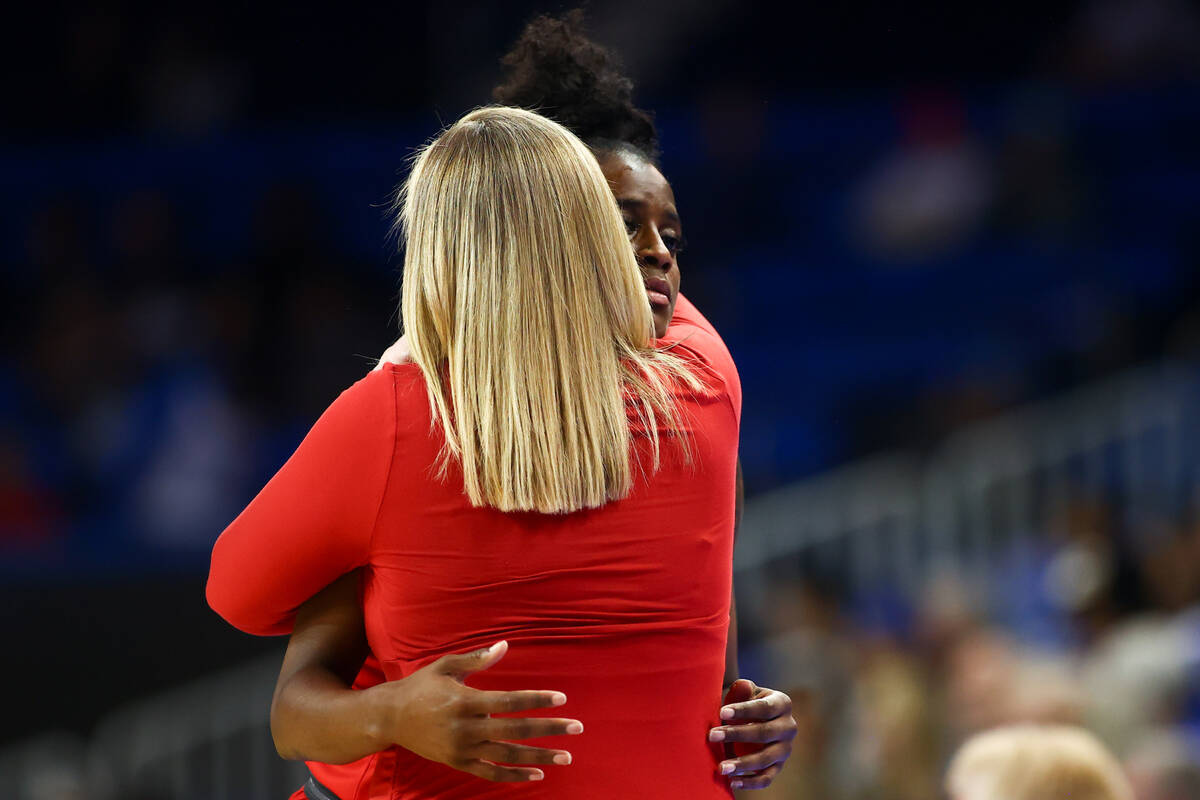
(315, 791)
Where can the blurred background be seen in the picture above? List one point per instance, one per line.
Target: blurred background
(954, 249)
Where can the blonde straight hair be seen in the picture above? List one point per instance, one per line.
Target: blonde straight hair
(526, 312)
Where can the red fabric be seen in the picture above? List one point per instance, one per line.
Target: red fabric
(625, 608)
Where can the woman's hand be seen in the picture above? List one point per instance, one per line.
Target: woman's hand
(433, 714)
(317, 716)
(398, 353)
(755, 715)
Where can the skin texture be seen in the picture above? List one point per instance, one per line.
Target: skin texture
(317, 717)
(648, 207)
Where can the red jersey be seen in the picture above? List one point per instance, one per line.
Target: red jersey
(625, 608)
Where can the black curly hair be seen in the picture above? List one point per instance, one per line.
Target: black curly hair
(556, 70)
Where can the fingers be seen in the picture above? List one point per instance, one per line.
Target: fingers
(510, 753)
(760, 781)
(757, 761)
(495, 772)
(780, 729)
(740, 691)
(465, 663)
(480, 702)
(516, 728)
(768, 705)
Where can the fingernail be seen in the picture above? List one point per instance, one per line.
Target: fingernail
(735, 784)
(562, 759)
(536, 776)
(495, 647)
(558, 699)
(716, 735)
(726, 767)
(727, 712)
(574, 728)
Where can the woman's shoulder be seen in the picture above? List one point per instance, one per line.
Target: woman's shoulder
(380, 386)
(690, 331)
(391, 397)
(404, 388)
(400, 374)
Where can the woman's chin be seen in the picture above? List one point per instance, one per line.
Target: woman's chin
(660, 327)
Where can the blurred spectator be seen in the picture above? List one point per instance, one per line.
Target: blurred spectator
(1129, 41)
(1039, 187)
(893, 749)
(932, 192)
(1028, 762)
(30, 515)
(1165, 765)
(199, 465)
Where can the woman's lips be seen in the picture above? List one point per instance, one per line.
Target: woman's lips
(658, 291)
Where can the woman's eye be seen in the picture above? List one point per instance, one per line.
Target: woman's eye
(674, 243)
(631, 227)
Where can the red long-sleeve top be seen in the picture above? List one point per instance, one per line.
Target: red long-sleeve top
(624, 608)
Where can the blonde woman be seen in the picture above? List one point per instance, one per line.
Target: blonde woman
(542, 502)
(1036, 762)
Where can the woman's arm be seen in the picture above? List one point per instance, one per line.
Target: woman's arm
(314, 714)
(313, 521)
(317, 716)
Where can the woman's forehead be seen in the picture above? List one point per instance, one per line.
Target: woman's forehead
(636, 179)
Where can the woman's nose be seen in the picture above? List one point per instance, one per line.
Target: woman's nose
(651, 252)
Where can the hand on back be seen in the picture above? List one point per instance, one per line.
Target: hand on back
(761, 718)
(435, 715)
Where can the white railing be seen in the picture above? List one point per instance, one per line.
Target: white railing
(898, 519)
(895, 519)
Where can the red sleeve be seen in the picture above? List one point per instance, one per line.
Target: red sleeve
(313, 521)
(689, 329)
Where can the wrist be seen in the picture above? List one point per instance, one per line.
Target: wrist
(380, 714)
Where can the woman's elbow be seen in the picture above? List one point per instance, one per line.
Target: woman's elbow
(234, 605)
(224, 599)
(285, 745)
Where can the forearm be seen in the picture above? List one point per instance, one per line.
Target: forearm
(316, 716)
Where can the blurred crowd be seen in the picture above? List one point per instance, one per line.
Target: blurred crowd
(1094, 621)
(937, 254)
(153, 389)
